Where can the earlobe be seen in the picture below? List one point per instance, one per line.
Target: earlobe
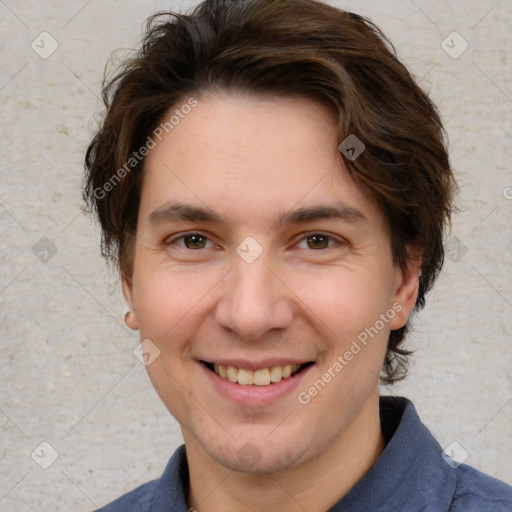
(406, 293)
(131, 320)
(130, 317)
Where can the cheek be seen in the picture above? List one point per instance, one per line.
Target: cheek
(168, 299)
(345, 300)
(347, 309)
(168, 303)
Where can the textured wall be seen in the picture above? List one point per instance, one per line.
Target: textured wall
(68, 374)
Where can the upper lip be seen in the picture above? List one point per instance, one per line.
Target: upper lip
(256, 365)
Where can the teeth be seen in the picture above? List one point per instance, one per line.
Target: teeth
(261, 377)
(232, 373)
(245, 377)
(276, 373)
(222, 371)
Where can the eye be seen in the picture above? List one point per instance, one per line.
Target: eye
(192, 241)
(317, 241)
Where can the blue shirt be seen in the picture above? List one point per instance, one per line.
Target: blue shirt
(410, 475)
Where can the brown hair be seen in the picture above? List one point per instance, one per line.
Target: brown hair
(285, 48)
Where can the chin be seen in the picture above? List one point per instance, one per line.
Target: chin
(260, 452)
(252, 460)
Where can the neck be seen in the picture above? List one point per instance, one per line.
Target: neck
(315, 485)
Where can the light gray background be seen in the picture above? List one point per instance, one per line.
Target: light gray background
(68, 373)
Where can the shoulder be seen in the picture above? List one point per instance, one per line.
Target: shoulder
(138, 500)
(427, 481)
(169, 492)
(475, 492)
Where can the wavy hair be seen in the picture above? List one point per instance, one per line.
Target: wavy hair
(284, 48)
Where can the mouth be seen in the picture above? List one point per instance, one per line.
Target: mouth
(257, 377)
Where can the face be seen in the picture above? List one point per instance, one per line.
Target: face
(257, 255)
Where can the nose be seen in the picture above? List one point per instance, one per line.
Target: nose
(254, 300)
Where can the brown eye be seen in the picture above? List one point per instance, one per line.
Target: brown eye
(318, 241)
(194, 241)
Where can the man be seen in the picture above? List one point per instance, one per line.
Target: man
(274, 187)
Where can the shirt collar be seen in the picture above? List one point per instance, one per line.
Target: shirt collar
(409, 469)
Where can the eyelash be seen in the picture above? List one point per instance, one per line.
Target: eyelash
(305, 237)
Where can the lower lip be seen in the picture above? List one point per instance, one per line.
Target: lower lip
(255, 396)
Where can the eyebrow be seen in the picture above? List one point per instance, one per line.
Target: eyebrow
(178, 212)
(338, 211)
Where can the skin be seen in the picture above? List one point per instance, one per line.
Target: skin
(249, 159)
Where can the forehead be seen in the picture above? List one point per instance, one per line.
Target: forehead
(250, 155)
(247, 133)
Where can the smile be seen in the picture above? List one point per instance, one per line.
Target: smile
(257, 377)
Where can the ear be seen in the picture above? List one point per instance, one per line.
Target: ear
(406, 289)
(131, 316)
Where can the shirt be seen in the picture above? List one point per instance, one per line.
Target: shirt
(411, 475)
